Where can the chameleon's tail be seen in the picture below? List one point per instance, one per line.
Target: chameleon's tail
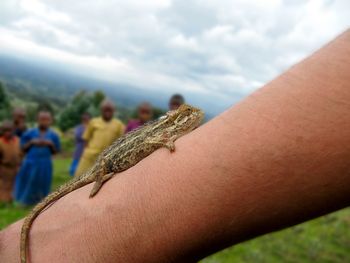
(50, 199)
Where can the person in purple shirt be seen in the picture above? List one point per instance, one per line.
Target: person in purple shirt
(79, 142)
(144, 113)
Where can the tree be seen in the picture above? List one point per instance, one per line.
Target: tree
(81, 102)
(98, 97)
(45, 106)
(158, 112)
(5, 105)
(32, 112)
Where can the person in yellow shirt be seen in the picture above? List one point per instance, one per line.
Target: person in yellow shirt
(99, 134)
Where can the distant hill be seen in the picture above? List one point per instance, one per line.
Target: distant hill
(35, 81)
(32, 81)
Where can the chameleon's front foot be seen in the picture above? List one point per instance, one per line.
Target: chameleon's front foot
(170, 145)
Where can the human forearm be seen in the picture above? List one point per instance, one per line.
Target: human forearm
(53, 148)
(278, 158)
(27, 146)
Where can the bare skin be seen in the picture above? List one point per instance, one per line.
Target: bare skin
(278, 158)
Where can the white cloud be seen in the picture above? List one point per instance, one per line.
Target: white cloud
(180, 41)
(39, 9)
(225, 48)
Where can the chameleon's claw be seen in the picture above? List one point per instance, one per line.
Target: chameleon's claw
(170, 145)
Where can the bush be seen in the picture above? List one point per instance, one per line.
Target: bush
(82, 102)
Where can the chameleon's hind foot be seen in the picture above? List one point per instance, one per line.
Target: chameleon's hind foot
(98, 184)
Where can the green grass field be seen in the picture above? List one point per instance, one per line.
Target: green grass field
(326, 239)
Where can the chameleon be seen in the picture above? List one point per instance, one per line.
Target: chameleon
(122, 154)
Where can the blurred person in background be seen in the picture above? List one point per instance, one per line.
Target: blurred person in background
(79, 141)
(176, 101)
(33, 181)
(144, 115)
(10, 158)
(19, 121)
(99, 134)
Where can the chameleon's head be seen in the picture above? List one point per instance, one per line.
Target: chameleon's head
(185, 119)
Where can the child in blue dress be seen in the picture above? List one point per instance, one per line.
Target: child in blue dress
(33, 181)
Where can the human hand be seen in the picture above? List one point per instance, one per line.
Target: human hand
(45, 142)
(35, 142)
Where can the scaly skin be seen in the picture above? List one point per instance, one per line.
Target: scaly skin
(124, 153)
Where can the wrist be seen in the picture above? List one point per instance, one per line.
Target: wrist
(132, 220)
(9, 243)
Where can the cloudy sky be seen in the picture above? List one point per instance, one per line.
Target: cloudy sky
(222, 49)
